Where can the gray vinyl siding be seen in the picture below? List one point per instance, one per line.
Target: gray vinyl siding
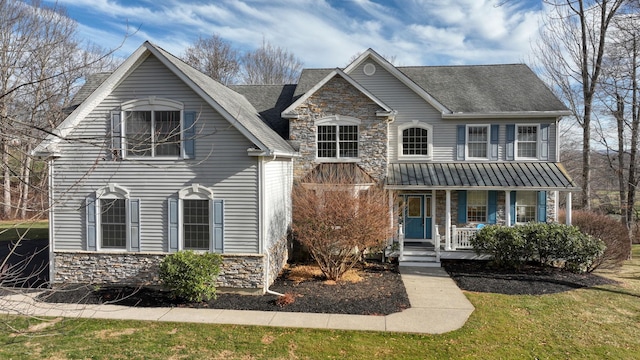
(221, 163)
(412, 107)
(278, 180)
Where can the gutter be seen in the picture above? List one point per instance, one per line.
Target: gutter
(506, 115)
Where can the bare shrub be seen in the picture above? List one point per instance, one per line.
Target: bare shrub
(611, 231)
(286, 299)
(336, 221)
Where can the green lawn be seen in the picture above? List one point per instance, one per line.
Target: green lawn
(595, 323)
(13, 230)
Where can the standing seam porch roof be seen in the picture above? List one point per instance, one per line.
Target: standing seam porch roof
(486, 176)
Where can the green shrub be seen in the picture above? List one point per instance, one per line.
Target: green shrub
(544, 243)
(191, 276)
(506, 244)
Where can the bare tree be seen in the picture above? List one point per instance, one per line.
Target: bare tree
(215, 57)
(336, 222)
(571, 50)
(270, 65)
(41, 65)
(619, 97)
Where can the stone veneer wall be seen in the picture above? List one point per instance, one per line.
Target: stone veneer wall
(238, 271)
(339, 97)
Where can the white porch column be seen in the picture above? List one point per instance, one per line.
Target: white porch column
(556, 200)
(568, 209)
(507, 207)
(391, 205)
(447, 221)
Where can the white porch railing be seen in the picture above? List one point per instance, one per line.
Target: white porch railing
(461, 237)
(436, 242)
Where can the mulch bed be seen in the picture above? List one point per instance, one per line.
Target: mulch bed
(480, 276)
(381, 291)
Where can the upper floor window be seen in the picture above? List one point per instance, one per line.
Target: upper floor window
(527, 141)
(152, 133)
(338, 137)
(153, 127)
(477, 141)
(415, 140)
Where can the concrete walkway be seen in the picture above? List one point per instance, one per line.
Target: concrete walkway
(437, 306)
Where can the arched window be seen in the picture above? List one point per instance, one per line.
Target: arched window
(196, 220)
(113, 220)
(415, 140)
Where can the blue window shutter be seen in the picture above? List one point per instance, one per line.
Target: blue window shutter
(512, 200)
(116, 136)
(462, 206)
(134, 224)
(511, 142)
(493, 206)
(461, 142)
(544, 142)
(495, 135)
(173, 224)
(90, 208)
(189, 134)
(542, 206)
(218, 225)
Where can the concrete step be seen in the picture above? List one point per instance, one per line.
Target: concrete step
(419, 252)
(418, 264)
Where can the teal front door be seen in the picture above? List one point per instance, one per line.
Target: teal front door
(417, 217)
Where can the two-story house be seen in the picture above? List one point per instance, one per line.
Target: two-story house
(157, 157)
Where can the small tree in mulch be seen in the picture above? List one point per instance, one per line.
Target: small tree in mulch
(337, 221)
(191, 276)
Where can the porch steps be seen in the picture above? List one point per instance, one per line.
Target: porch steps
(419, 257)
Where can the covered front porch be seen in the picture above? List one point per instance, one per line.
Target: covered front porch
(438, 207)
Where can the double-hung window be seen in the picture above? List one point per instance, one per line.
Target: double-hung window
(527, 141)
(526, 204)
(196, 220)
(112, 220)
(337, 137)
(477, 141)
(477, 206)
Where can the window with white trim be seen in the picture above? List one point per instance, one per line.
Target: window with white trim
(152, 128)
(477, 141)
(477, 206)
(113, 220)
(415, 140)
(113, 223)
(196, 226)
(526, 206)
(527, 141)
(337, 137)
(196, 220)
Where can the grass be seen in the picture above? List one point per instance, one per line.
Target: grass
(29, 229)
(602, 322)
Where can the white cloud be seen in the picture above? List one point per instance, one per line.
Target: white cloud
(323, 33)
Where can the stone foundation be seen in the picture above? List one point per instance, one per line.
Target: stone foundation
(244, 272)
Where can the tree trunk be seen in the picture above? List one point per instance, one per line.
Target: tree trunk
(635, 122)
(7, 181)
(622, 184)
(26, 184)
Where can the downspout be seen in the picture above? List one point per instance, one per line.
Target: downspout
(266, 288)
(51, 223)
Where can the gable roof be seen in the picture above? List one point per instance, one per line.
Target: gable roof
(231, 105)
(463, 91)
(485, 88)
(288, 112)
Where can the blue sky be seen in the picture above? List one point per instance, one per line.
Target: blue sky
(323, 33)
